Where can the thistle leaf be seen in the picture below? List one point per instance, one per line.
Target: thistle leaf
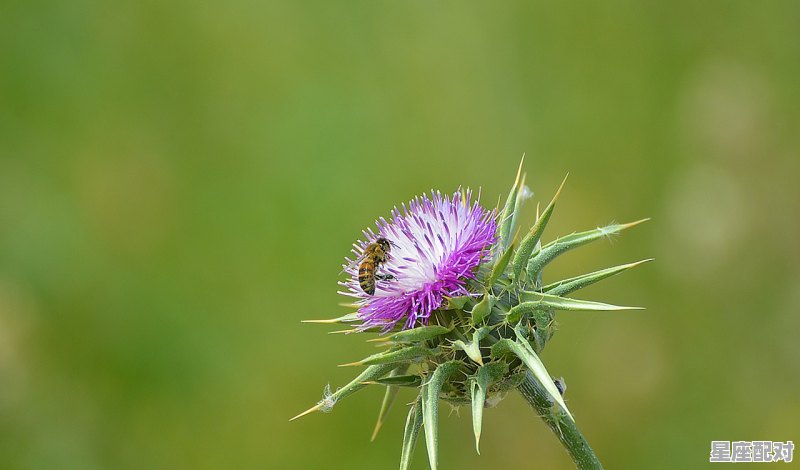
(478, 396)
(409, 353)
(456, 303)
(506, 218)
(533, 301)
(430, 407)
(479, 386)
(413, 424)
(398, 381)
(523, 350)
(557, 247)
(348, 331)
(421, 333)
(500, 266)
(523, 194)
(370, 373)
(472, 349)
(388, 399)
(349, 318)
(481, 310)
(543, 320)
(481, 333)
(572, 284)
(530, 241)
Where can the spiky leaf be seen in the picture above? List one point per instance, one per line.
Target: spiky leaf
(388, 399)
(473, 348)
(349, 318)
(398, 381)
(500, 267)
(456, 303)
(430, 407)
(506, 217)
(481, 310)
(373, 329)
(370, 373)
(413, 424)
(523, 350)
(410, 353)
(523, 195)
(555, 248)
(419, 334)
(567, 286)
(533, 301)
(530, 241)
(479, 386)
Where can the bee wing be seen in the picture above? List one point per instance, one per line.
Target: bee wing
(354, 263)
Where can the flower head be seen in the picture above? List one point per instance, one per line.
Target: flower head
(436, 242)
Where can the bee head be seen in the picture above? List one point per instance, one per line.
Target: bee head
(384, 244)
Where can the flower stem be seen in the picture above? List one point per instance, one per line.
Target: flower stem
(564, 428)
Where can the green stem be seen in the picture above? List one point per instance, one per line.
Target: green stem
(564, 428)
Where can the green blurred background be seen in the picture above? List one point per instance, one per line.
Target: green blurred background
(179, 182)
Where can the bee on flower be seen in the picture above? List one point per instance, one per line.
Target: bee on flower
(438, 242)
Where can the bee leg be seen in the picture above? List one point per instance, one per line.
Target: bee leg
(384, 277)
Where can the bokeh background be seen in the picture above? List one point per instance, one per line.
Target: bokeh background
(179, 182)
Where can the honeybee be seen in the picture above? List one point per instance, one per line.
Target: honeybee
(375, 255)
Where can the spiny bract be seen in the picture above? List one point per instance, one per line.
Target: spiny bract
(468, 314)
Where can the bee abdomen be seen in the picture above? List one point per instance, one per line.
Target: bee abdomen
(366, 276)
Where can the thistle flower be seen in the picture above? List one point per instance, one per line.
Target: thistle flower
(463, 312)
(437, 243)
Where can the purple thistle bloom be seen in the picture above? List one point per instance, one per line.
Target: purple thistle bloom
(437, 242)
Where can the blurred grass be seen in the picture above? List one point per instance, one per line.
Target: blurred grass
(179, 182)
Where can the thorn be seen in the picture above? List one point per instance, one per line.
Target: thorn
(351, 364)
(352, 330)
(519, 171)
(375, 431)
(633, 224)
(308, 411)
(325, 321)
(558, 193)
(637, 263)
(382, 339)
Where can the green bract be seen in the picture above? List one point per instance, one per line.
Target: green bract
(476, 348)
